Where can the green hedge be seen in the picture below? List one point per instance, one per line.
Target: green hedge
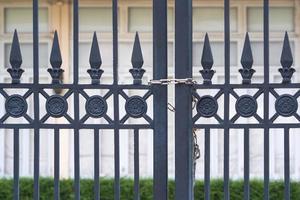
(107, 185)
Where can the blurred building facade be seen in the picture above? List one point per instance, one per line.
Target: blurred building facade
(136, 15)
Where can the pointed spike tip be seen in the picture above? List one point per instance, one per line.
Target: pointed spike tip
(15, 52)
(207, 60)
(95, 56)
(55, 57)
(247, 57)
(137, 59)
(286, 55)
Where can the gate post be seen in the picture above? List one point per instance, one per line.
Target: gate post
(160, 92)
(183, 101)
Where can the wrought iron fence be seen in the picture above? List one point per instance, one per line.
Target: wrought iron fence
(57, 106)
(246, 106)
(187, 89)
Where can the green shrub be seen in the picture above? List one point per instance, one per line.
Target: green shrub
(146, 191)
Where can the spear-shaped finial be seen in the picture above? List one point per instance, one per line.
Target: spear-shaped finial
(247, 61)
(95, 61)
(207, 62)
(137, 62)
(286, 61)
(15, 60)
(56, 61)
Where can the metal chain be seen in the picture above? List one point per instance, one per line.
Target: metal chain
(197, 153)
(186, 81)
(196, 147)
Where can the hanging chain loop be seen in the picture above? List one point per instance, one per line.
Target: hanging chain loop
(196, 147)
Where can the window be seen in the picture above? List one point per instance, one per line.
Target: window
(217, 52)
(95, 19)
(84, 52)
(27, 55)
(281, 18)
(212, 19)
(140, 19)
(275, 53)
(21, 19)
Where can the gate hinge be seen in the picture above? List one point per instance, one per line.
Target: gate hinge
(186, 81)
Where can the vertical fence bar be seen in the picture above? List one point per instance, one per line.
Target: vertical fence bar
(36, 98)
(246, 164)
(56, 164)
(96, 165)
(287, 164)
(226, 96)
(117, 164)
(116, 100)
(77, 164)
(136, 166)
(115, 42)
(160, 95)
(75, 40)
(266, 101)
(76, 99)
(16, 164)
(183, 101)
(35, 42)
(207, 164)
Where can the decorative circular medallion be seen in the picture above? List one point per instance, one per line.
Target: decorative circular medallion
(286, 105)
(136, 106)
(56, 106)
(96, 106)
(16, 106)
(207, 106)
(246, 106)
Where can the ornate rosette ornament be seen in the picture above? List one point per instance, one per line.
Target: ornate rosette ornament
(286, 105)
(136, 107)
(16, 106)
(56, 106)
(207, 106)
(246, 106)
(96, 106)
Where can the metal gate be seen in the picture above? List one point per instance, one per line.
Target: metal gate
(136, 106)
(246, 106)
(96, 106)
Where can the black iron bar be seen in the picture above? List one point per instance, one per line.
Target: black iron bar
(16, 164)
(146, 126)
(36, 98)
(287, 194)
(226, 96)
(136, 165)
(145, 87)
(77, 164)
(266, 101)
(183, 101)
(56, 164)
(246, 164)
(116, 100)
(76, 99)
(160, 71)
(207, 164)
(96, 165)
